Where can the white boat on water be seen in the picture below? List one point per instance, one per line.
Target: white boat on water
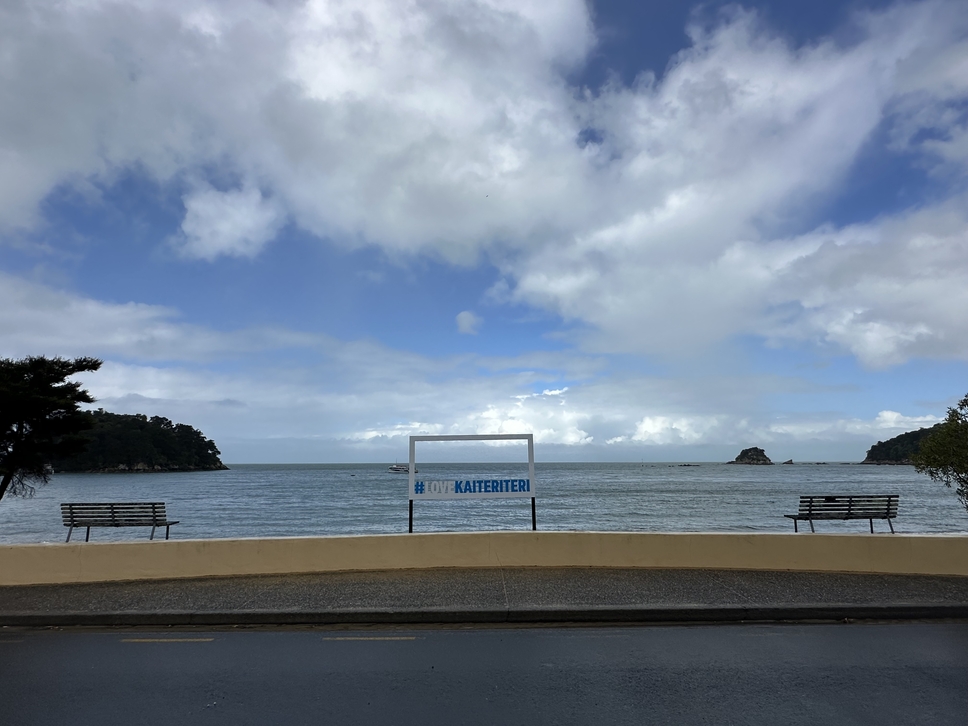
(401, 468)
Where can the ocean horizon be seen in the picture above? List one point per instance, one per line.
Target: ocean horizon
(282, 500)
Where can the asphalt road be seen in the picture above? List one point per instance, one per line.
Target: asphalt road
(899, 673)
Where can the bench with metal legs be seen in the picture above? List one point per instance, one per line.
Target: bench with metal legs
(844, 507)
(115, 514)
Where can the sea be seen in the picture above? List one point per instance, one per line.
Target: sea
(300, 500)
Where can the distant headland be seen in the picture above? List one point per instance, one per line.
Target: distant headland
(893, 452)
(899, 449)
(135, 443)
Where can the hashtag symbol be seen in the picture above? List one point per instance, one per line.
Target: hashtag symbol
(418, 487)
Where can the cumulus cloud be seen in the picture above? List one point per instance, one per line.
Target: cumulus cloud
(235, 223)
(468, 323)
(668, 430)
(886, 291)
(737, 138)
(381, 122)
(450, 129)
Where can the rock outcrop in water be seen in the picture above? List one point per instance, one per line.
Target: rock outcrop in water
(753, 455)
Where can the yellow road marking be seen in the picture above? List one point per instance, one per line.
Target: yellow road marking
(375, 638)
(167, 640)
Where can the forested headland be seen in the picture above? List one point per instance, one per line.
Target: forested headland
(898, 450)
(135, 443)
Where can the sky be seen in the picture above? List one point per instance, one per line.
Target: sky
(653, 231)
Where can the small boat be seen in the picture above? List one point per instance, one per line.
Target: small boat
(401, 468)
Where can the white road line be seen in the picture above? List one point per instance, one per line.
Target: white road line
(167, 640)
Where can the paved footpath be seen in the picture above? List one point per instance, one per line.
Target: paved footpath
(499, 595)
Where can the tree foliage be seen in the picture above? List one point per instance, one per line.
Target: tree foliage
(40, 417)
(944, 454)
(123, 442)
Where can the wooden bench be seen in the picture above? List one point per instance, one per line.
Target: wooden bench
(846, 506)
(115, 514)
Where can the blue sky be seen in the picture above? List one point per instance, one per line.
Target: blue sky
(643, 231)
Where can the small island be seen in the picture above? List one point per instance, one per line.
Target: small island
(135, 443)
(899, 449)
(754, 456)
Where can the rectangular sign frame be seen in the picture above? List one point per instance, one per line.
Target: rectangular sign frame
(472, 488)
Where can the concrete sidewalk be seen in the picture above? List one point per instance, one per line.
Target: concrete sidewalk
(490, 595)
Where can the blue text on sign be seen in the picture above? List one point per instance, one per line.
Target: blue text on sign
(471, 488)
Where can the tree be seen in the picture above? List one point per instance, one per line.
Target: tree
(944, 454)
(39, 417)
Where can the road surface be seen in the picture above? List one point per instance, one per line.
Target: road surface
(710, 674)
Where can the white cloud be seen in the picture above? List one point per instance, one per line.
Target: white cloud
(886, 424)
(411, 125)
(894, 421)
(34, 317)
(886, 291)
(364, 395)
(375, 414)
(468, 323)
(450, 129)
(668, 430)
(236, 223)
(738, 137)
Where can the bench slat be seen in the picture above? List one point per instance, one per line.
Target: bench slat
(859, 513)
(119, 522)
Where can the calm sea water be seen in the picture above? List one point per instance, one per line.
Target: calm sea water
(311, 500)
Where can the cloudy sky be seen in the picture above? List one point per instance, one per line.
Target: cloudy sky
(640, 230)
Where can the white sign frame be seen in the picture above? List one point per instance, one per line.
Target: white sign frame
(475, 489)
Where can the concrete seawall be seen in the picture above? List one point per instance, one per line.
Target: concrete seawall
(143, 560)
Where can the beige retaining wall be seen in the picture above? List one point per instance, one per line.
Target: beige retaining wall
(99, 562)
